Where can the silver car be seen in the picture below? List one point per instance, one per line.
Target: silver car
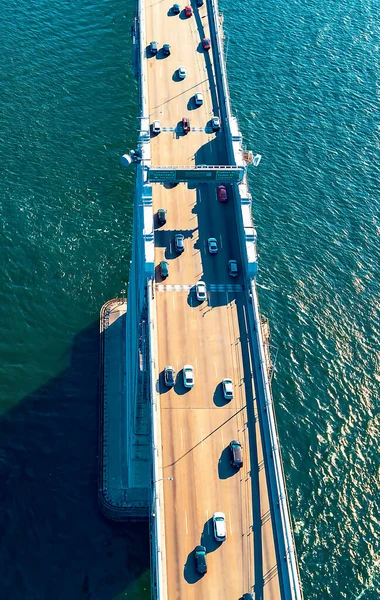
(228, 389)
(212, 245)
(220, 529)
(182, 72)
(198, 99)
(188, 376)
(156, 127)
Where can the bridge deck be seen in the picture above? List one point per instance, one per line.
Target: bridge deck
(197, 425)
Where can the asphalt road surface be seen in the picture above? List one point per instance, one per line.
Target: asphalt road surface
(198, 424)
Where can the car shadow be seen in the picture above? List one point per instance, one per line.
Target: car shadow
(191, 104)
(179, 388)
(225, 469)
(218, 398)
(156, 223)
(189, 572)
(170, 253)
(161, 387)
(192, 299)
(176, 77)
(160, 55)
(153, 134)
(200, 48)
(157, 274)
(207, 537)
(179, 130)
(148, 53)
(171, 13)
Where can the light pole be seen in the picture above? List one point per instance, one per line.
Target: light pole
(163, 479)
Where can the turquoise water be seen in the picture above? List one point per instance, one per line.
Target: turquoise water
(306, 100)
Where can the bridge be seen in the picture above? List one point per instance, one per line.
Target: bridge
(221, 337)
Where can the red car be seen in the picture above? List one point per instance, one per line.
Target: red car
(188, 11)
(206, 43)
(222, 193)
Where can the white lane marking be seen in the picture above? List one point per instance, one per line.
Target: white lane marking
(173, 300)
(212, 287)
(187, 531)
(229, 521)
(221, 433)
(208, 525)
(180, 433)
(221, 241)
(202, 437)
(196, 364)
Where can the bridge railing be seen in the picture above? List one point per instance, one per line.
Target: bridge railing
(280, 496)
(157, 534)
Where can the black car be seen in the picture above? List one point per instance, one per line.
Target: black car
(153, 46)
(200, 560)
(169, 376)
(161, 216)
(176, 9)
(164, 269)
(236, 454)
(178, 243)
(166, 49)
(185, 124)
(247, 597)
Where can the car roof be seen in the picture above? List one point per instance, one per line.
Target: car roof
(218, 515)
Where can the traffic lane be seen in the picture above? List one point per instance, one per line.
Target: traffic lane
(184, 37)
(196, 494)
(217, 219)
(184, 43)
(206, 337)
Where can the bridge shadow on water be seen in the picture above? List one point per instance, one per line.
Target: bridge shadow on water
(55, 544)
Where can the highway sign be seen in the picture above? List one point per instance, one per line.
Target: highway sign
(196, 174)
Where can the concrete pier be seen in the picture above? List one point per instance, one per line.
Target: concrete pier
(124, 467)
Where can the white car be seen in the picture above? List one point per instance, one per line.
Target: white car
(212, 245)
(156, 126)
(201, 291)
(198, 99)
(228, 389)
(182, 72)
(215, 123)
(220, 529)
(188, 376)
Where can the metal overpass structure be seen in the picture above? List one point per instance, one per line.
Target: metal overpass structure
(188, 473)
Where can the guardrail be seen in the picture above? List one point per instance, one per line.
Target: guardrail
(281, 499)
(157, 578)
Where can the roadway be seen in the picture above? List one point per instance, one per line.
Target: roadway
(197, 425)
